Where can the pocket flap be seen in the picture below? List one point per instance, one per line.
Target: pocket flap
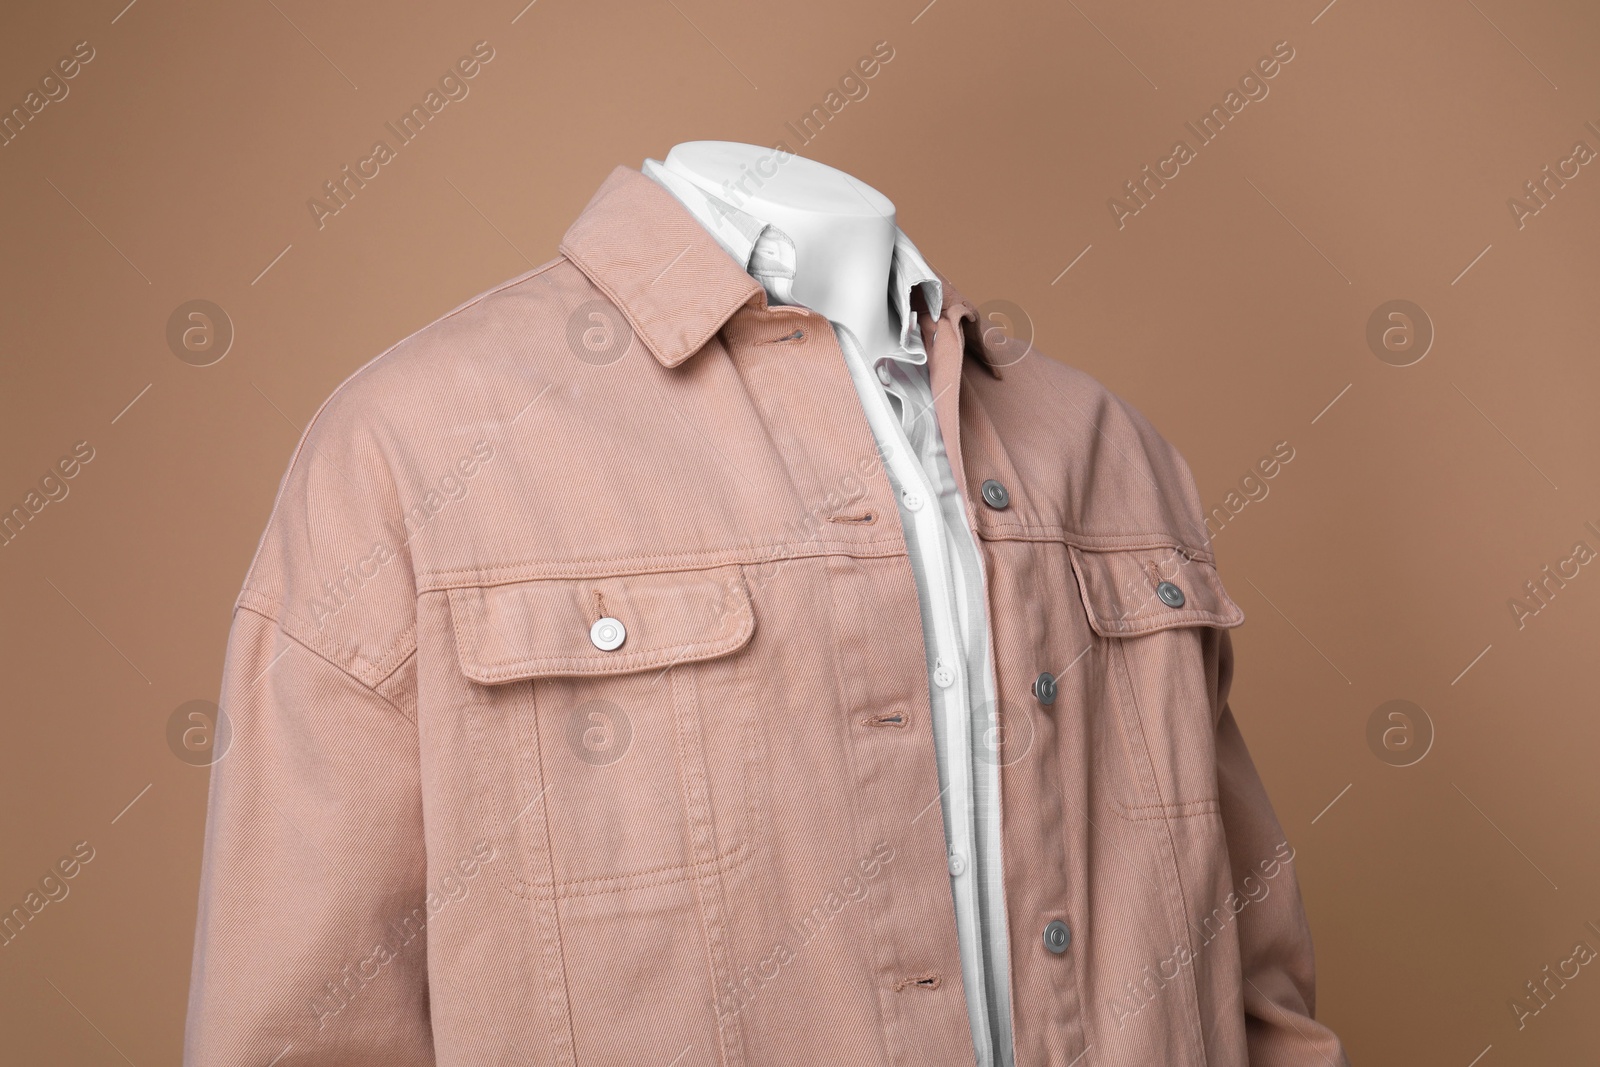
(540, 628)
(1122, 595)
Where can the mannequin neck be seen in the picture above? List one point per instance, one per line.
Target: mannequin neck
(843, 230)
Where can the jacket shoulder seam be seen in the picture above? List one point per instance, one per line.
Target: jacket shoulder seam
(300, 445)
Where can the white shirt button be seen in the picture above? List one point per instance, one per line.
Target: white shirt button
(943, 676)
(912, 500)
(957, 864)
(883, 374)
(607, 634)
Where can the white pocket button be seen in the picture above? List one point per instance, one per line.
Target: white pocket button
(607, 634)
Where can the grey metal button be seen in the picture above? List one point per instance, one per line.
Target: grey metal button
(1044, 687)
(608, 633)
(1170, 595)
(995, 495)
(1057, 936)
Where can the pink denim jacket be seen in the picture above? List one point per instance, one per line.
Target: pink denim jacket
(457, 824)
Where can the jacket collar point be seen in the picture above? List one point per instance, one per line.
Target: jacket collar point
(964, 314)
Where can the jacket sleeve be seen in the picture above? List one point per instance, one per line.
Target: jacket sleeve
(1277, 968)
(310, 941)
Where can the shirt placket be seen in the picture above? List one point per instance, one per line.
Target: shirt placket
(982, 748)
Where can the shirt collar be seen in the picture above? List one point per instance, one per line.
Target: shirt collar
(677, 285)
(768, 255)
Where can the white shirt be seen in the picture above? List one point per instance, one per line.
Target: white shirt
(898, 402)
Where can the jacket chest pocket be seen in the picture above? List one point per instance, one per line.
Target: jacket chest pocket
(1157, 615)
(612, 730)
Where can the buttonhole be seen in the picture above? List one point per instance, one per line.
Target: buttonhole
(855, 518)
(797, 335)
(885, 718)
(926, 980)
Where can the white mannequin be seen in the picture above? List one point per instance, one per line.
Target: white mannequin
(843, 229)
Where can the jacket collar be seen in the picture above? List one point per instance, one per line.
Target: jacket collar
(672, 280)
(769, 255)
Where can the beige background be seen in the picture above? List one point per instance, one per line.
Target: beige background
(1232, 310)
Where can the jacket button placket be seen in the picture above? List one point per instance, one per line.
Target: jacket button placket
(883, 673)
